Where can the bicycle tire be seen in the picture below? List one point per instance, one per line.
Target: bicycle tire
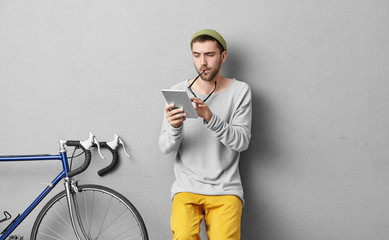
(105, 213)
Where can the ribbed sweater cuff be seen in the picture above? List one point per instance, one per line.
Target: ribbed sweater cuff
(174, 131)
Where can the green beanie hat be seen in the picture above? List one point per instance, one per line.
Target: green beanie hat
(211, 33)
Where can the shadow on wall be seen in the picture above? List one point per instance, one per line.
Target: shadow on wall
(257, 221)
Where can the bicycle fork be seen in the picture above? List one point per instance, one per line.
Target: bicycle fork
(74, 213)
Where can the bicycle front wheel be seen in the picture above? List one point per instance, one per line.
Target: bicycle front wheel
(104, 214)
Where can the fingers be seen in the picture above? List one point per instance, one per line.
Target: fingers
(202, 109)
(176, 113)
(175, 116)
(169, 107)
(199, 103)
(172, 111)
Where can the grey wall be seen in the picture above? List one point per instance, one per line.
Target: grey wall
(318, 163)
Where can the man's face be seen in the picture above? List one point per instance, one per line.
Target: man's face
(207, 57)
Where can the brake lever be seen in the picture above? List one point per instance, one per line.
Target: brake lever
(124, 147)
(112, 147)
(91, 141)
(114, 144)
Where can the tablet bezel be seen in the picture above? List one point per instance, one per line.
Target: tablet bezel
(180, 98)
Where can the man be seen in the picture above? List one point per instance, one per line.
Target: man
(207, 149)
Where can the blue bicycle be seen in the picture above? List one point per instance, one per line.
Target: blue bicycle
(80, 211)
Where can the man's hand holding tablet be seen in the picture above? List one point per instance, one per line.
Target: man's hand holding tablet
(179, 106)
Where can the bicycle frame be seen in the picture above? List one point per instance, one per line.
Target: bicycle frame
(63, 174)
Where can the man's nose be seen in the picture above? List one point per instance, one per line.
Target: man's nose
(203, 60)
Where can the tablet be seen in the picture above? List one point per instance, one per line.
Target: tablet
(180, 99)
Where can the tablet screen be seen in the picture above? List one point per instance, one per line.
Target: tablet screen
(180, 99)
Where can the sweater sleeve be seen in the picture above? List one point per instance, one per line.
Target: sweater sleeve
(170, 138)
(237, 133)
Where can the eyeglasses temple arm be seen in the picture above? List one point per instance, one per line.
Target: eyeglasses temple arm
(210, 93)
(196, 79)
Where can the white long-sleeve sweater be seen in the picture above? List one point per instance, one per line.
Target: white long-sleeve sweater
(207, 154)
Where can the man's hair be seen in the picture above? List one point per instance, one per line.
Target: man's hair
(203, 38)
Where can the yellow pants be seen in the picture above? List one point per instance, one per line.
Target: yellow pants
(222, 216)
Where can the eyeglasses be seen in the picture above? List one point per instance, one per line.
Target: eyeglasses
(190, 87)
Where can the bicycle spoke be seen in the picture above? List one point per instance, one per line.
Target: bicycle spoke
(66, 225)
(101, 213)
(105, 216)
(112, 222)
(91, 212)
(52, 237)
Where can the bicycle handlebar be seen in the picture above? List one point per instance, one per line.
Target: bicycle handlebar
(92, 142)
(88, 157)
(112, 165)
(112, 147)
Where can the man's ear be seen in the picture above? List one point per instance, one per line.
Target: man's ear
(224, 56)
